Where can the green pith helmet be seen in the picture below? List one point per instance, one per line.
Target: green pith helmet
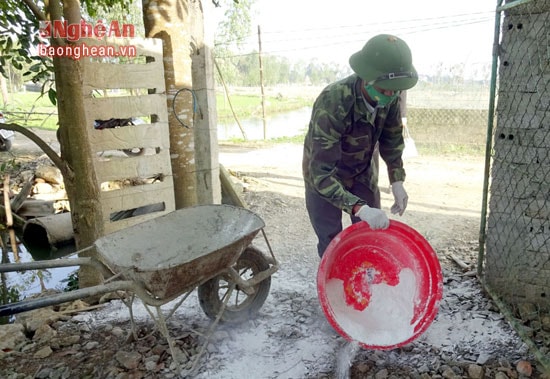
(386, 62)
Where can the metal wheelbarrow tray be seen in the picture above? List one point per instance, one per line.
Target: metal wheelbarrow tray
(174, 253)
(163, 258)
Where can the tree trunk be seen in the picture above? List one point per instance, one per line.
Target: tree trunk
(169, 20)
(80, 182)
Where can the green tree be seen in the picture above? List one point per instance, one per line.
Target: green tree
(19, 23)
(231, 34)
(235, 27)
(19, 28)
(128, 13)
(276, 70)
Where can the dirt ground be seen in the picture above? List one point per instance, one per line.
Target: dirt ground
(445, 193)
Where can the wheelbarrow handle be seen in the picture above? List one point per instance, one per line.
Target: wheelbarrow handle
(28, 305)
(38, 265)
(57, 263)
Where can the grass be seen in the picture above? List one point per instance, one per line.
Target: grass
(31, 109)
(429, 148)
(247, 106)
(298, 139)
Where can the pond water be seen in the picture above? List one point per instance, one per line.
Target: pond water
(30, 282)
(286, 124)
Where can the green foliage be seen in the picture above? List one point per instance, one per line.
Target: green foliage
(244, 70)
(8, 295)
(231, 33)
(97, 8)
(52, 95)
(71, 282)
(18, 37)
(236, 25)
(8, 165)
(127, 11)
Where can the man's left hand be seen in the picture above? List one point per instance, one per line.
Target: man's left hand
(401, 198)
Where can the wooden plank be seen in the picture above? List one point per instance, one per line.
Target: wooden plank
(126, 137)
(138, 196)
(131, 198)
(36, 208)
(111, 227)
(113, 76)
(125, 72)
(144, 166)
(126, 106)
(16, 203)
(228, 190)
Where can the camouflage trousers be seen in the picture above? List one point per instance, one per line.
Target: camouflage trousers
(326, 219)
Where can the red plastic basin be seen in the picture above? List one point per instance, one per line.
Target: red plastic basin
(381, 288)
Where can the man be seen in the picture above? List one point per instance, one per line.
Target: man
(348, 119)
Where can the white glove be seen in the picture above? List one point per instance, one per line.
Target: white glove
(401, 198)
(376, 218)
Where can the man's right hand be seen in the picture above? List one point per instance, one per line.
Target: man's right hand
(376, 218)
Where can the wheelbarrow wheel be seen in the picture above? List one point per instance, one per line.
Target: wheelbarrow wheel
(240, 306)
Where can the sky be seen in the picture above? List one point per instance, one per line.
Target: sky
(451, 32)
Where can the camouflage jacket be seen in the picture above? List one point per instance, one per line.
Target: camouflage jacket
(341, 139)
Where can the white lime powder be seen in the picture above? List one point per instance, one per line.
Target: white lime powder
(386, 320)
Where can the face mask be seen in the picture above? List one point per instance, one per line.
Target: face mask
(381, 99)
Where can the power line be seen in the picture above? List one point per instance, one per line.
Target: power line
(409, 28)
(452, 20)
(324, 28)
(324, 41)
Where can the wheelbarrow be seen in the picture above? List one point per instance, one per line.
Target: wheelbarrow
(159, 260)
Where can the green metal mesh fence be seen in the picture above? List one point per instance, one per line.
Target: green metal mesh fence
(516, 264)
(440, 131)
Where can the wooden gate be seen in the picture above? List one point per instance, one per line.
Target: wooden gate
(132, 163)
